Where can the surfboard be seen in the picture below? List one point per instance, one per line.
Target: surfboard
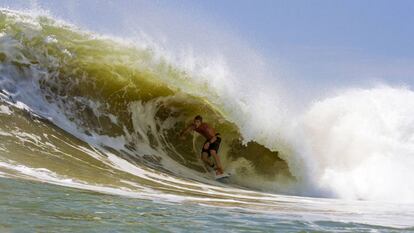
(223, 177)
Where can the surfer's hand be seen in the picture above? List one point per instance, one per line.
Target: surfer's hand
(206, 146)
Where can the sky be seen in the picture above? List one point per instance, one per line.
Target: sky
(362, 42)
(323, 43)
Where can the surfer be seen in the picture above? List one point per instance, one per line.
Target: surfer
(211, 145)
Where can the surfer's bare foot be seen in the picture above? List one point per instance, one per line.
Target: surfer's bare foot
(219, 171)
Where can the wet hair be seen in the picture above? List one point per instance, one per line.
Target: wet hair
(198, 117)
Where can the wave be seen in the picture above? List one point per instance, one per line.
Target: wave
(131, 100)
(120, 97)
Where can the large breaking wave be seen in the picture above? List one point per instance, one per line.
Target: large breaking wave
(130, 100)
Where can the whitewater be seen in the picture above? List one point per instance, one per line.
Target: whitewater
(87, 117)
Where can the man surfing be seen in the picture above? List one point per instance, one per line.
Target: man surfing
(211, 145)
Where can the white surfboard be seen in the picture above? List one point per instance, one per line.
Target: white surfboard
(222, 176)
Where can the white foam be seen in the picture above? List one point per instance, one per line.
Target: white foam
(5, 110)
(50, 39)
(362, 143)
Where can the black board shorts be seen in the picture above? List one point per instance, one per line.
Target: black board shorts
(213, 146)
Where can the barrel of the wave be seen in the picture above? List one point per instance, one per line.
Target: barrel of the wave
(209, 151)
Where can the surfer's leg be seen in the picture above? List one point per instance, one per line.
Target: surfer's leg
(218, 162)
(206, 161)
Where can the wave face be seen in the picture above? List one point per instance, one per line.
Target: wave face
(122, 98)
(129, 102)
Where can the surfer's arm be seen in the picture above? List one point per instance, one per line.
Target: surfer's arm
(214, 137)
(186, 130)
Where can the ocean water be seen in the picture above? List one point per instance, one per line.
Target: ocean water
(29, 206)
(88, 142)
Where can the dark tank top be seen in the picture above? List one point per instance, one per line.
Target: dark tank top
(205, 130)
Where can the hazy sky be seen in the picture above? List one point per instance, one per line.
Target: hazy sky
(331, 42)
(343, 41)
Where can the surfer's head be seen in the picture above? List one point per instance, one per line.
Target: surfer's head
(197, 121)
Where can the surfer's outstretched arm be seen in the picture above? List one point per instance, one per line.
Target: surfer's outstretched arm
(186, 130)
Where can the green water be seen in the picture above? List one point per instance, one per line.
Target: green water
(27, 206)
